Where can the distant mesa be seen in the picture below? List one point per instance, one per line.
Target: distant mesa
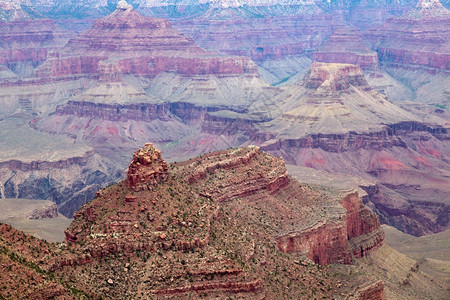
(139, 46)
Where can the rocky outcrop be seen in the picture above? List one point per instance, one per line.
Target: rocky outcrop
(147, 168)
(363, 227)
(339, 239)
(374, 291)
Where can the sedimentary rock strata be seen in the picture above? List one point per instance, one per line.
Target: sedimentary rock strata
(147, 168)
(345, 46)
(417, 40)
(213, 200)
(139, 45)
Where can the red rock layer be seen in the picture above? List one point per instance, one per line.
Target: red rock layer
(139, 45)
(419, 40)
(345, 46)
(147, 168)
(29, 40)
(333, 241)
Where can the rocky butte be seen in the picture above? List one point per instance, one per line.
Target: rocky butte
(228, 224)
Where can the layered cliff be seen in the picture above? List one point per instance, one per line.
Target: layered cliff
(140, 45)
(417, 40)
(26, 42)
(346, 46)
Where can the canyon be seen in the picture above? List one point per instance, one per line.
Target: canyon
(347, 93)
(350, 127)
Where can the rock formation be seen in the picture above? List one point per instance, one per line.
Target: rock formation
(139, 45)
(25, 42)
(213, 228)
(147, 168)
(417, 40)
(198, 205)
(345, 46)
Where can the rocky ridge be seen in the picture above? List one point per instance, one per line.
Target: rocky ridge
(130, 221)
(207, 231)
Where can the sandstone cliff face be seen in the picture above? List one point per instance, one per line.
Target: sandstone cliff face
(352, 233)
